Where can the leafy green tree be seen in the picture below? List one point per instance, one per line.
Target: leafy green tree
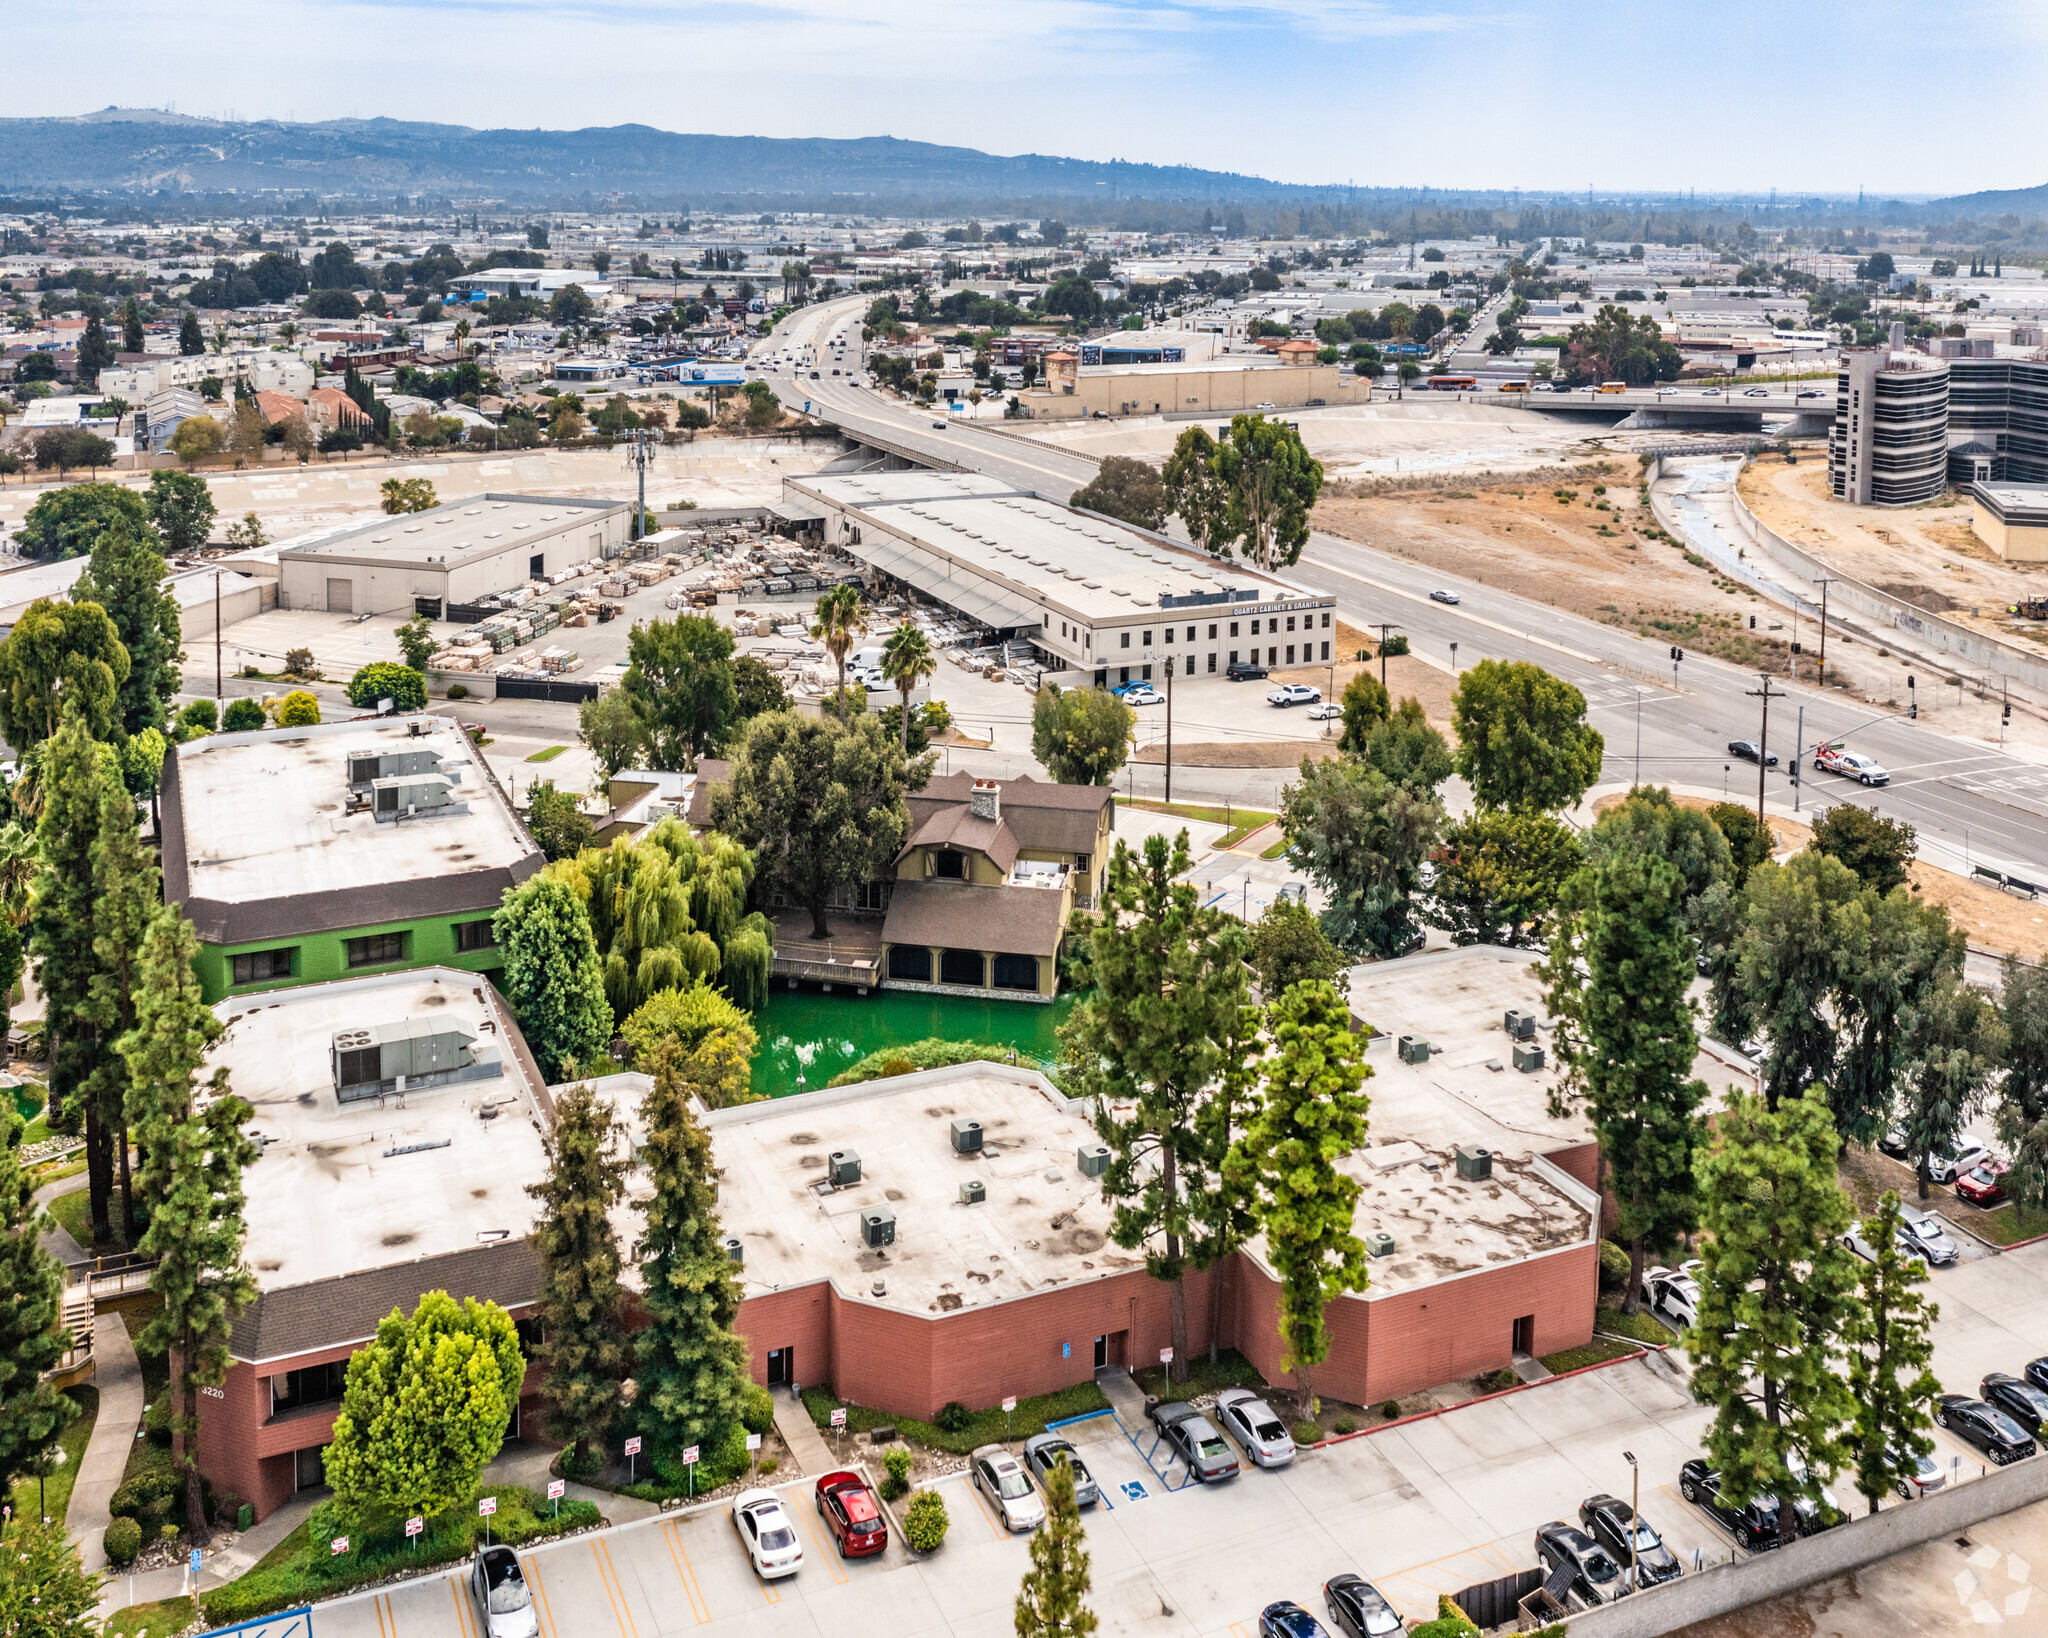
(1875, 848)
(1617, 975)
(95, 351)
(1777, 1290)
(556, 821)
(1311, 1116)
(759, 689)
(416, 642)
(197, 438)
(1362, 838)
(692, 1368)
(1614, 346)
(684, 1018)
(127, 896)
(1804, 929)
(191, 342)
(842, 617)
(125, 577)
(1952, 1055)
(1904, 951)
(425, 1407)
(679, 681)
(1647, 821)
(1195, 493)
(404, 687)
(1222, 1200)
(1407, 749)
(132, 338)
(44, 1590)
(1499, 874)
(66, 522)
(402, 495)
(1289, 946)
(610, 728)
(552, 975)
(60, 659)
(1252, 491)
(31, 1313)
(1749, 841)
(1052, 1601)
(1366, 706)
(196, 1235)
(583, 1352)
(243, 717)
(166, 1048)
(820, 803)
(1080, 735)
(1888, 1335)
(298, 709)
(181, 506)
(2023, 1091)
(907, 659)
(1523, 740)
(1164, 978)
(1127, 489)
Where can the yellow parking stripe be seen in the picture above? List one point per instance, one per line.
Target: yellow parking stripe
(826, 1543)
(462, 1621)
(547, 1613)
(600, 1551)
(686, 1572)
(768, 1592)
(995, 1524)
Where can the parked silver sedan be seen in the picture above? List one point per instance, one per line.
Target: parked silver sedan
(1045, 1451)
(1250, 1421)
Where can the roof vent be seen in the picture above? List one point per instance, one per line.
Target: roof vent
(734, 1251)
(1092, 1159)
(878, 1226)
(1379, 1243)
(972, 1192)
(966, 1136)
(844, 1168)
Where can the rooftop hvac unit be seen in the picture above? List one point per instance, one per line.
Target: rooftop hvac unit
(1528, 1057)
(734, 1251)
(1475, 1165)
(972, 1192)
(844, 1168)
(414, 1054)
(406, 795)
(878, 1227)
(367, 767)
(1379, 1243)
(1092, 1159)
(966, 1136)
(1520, 1025)
(1413, 1049)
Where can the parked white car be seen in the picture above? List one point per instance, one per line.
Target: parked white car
(768, 1534)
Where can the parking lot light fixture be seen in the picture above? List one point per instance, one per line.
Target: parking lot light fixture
(1635, 1518)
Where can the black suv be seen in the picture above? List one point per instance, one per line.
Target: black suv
(1754, 1526)
(2025, 1403)
(1610, 1521)
(1244, 670)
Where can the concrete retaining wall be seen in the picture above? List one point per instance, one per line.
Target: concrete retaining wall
(1726, 1587)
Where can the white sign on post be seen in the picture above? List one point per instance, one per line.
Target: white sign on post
(689, 1455)
(753, 1441)
(1009, 1404)
(839, 1417)
(487, 1507)
(1166, 1356)
(555, 1489)
(338, 1546)
(633, 1445)
(414, 1525)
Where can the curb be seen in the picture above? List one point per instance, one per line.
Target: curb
(1642, 1351)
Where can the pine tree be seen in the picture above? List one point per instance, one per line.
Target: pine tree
(553, 977)
(191, 341)
(1312, 1115)
(692, 1368)
(78, 773)
(125, 576)
(127, 897)
(1890, 1346)
(196, 1234)
(31, 1305)
(1052, 1601)
(1777, 1290)
(583, 1307)
(166, 1048)
(1223, 1206)
(1619, 969)
(132, 339)
(2023, 1094)
(1167, 978)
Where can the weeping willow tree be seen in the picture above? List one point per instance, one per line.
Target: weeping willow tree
(668, 909)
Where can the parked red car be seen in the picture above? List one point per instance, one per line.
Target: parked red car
(1982, 1186)
(850, 1509)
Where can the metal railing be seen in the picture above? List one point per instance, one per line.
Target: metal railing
(114, 1275)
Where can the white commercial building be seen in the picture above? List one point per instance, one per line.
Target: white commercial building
(264, 371)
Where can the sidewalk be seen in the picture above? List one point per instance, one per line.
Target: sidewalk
(117, 1373)
(812, 1455)
(1122, 1393)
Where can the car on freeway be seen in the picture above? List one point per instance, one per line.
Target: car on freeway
(1244, 671)
(1747, 750)
(1850, 765)
(1293, 694)
(1359, 1608)
(1945, 1165)
(1757, 392)
(941, 425)
(1288, 1619)
(1596, 1578)
(1250, 1420)
(1000, 1477)
(1710, 392)
(1812, 392)
(1045, 1451)
(768, 1534)
(1616, 1526)
(1925, 1238)
(852, 1514)
(499, 1587)
(1984, 1185)
(1983, 1427)
(1541, 386)
(1674, 1295)
(1194, 1440)
(1754, 1525)
(1141, 694)
(2019, 1399)
(1441, 595)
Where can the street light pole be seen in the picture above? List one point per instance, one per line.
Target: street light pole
(1635, 1517)
(1824, 582)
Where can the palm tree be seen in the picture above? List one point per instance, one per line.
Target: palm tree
(841, 618)
(907, 659)
(461, 333)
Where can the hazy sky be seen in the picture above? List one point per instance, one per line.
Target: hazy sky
(1734, 94)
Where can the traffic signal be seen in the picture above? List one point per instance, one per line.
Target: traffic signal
(1752, 622)
(1796, 649)
(1677, 654)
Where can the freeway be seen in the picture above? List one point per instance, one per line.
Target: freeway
(1971, 802)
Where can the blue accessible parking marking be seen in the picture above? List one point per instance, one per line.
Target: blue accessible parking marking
(1133, 1490)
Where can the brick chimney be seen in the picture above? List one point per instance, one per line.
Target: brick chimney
(986, 800)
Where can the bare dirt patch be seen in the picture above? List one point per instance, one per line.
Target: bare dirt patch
(1407, 678)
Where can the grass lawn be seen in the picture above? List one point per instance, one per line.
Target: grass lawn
(1231, 1370)
(984, 1426)
(162, 1617)
(57, 1487)
(1596, 1352)
(2002, 1225)
(1242, 820)
(1644, 1327)
(41, 1175)
(1277, 850)
(548, 754)
(73, 1212)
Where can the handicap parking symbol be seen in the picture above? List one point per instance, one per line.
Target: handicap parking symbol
(1133, 1490)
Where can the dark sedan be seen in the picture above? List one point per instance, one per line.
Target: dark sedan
(1754, 1525)
(1194, 1440)
(1359, 1608)
(1616, 1526)
(2037, 1372)
(1983, 1427)
(1747, 750)
(1288, 1619)
(1596, 1578)
(2022, 1401)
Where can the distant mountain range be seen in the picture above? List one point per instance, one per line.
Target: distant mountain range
(2026, 203)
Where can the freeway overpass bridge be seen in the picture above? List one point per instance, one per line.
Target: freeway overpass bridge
(1798, 412)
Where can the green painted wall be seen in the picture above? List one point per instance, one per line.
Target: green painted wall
(320, 957)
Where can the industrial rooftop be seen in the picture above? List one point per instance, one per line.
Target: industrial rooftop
(476, 527)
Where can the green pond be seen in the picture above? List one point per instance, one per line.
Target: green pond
(808, 1037)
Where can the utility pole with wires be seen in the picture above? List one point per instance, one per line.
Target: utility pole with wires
(1824, 581)
(1384, 628)
(1763, 743)
(636, 457)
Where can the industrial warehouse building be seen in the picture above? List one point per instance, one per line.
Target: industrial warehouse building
(305, 854)
(1114, 602)
(436, 561)
(2012, 519)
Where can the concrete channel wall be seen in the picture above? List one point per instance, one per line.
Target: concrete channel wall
(1734, 1586)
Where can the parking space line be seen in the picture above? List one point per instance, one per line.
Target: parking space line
(824, 1539)
(686, 1572)
(769, 1594)
(614, 1589)
(380, 1604)
(462, 1621)
(547, 1609)
(994, 1526)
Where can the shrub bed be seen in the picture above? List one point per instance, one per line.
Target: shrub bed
(981, 1427)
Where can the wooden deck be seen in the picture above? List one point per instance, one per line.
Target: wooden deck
(852, 955)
